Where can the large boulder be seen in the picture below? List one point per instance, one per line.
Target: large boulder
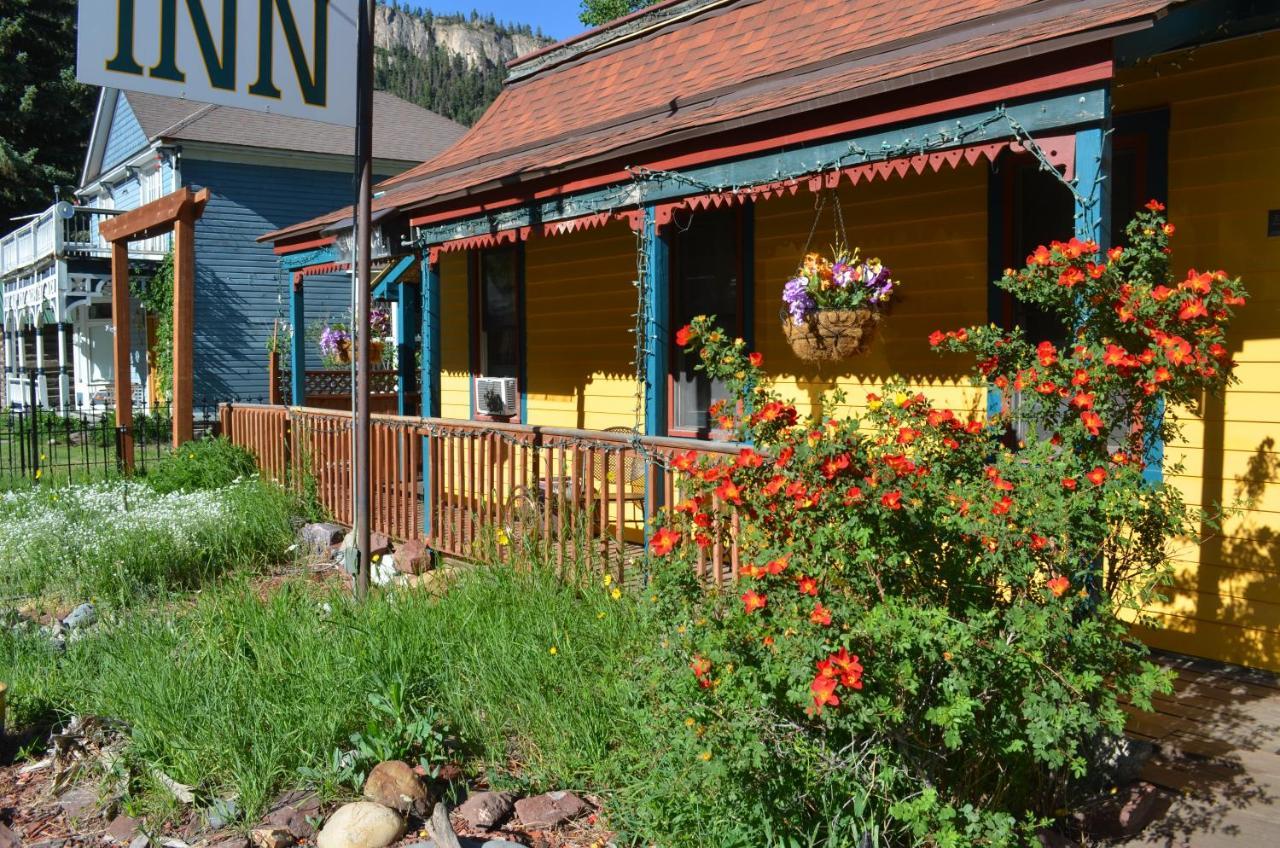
(550, 810)
(396, 785)
(487, 810)
(320, 538)
(362, 824)
(413, 557)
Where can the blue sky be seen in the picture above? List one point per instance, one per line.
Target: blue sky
(558, 18)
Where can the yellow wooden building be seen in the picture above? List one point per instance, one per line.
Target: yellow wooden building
(672, 163)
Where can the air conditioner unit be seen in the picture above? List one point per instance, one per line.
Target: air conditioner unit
(496, 396)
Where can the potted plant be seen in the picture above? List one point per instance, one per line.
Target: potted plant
(832, 306)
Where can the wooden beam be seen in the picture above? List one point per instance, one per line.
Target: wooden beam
(184, 319)
(120, 321)
(156, 217)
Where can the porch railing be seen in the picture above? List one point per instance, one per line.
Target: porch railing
(479, 489)
(53, 235)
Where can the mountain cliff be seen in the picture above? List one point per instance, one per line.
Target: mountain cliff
(449, 64)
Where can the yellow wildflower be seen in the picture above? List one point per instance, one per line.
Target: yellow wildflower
(615, 594)
(553, 650)
(705, 756)
(608, 578)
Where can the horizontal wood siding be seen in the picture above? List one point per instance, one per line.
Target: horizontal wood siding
(455, 338)
(125, 139)
(580, 300)
(1224, 176)
(931, 230)
(240, 290)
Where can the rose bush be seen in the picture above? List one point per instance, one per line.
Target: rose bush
(928, 636)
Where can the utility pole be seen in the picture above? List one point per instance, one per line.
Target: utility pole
(363, 245)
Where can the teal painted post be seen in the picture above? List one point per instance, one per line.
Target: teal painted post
(430, 377)
(657, 341)
(297, 344)
(406, 344)
(657, 344)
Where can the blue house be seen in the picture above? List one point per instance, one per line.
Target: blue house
(264, 172)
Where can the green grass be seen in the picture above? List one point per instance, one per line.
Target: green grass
(234, 694)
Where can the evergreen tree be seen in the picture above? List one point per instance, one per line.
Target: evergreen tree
(597, 12)
(47, 114)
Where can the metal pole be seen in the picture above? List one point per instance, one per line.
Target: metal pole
(363, 244)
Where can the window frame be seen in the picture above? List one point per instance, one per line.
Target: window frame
(475, 329)
(744, 257)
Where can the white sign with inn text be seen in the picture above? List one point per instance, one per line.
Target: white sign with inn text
(288, 57)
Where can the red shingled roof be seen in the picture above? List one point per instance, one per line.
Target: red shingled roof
(733, 64)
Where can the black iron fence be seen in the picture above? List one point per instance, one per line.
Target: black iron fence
(85, 444)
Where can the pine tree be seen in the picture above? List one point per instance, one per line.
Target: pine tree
(597, 12)
(47, 114)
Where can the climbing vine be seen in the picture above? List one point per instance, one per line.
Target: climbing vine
(156, 295)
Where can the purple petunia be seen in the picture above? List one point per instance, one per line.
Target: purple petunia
(795, 294)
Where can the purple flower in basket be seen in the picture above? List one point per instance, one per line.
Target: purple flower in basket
(842, 274)
(380, 323)
(333, 339)
(795, 294)
(876, 277)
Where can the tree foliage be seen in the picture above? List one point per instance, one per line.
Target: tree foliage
(47, 113)
(597, 12)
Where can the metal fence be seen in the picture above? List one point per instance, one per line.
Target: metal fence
(45, 445)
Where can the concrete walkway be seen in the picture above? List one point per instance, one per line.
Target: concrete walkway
(1218, 757)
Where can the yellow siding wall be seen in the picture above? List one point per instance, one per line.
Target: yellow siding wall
(455, 355)
(579, 344)
(931, 230)
(1224, 174)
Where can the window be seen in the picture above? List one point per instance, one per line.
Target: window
(497, 306)
(706, 280)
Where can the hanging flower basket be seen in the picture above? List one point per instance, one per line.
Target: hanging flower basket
(829, 335)
(375, 352)
(832, 307)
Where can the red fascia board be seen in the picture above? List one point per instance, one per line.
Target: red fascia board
(287, 246)
(1097, 71)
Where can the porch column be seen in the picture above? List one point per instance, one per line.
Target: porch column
(20, 362)
(120, 367)
(42, 386)
(297, 344)
(8, 363)
(657, 334)
(184, 324)
(406, 344)
(63, 372)
(1093, 184)
(429, 379)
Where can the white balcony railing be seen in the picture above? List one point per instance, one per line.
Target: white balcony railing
(62, 231)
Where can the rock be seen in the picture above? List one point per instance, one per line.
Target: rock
(550, 810)
(228, 840)
(9, 839)
(362, 824)
(140, 841)
(396, 785)
(320, 538)
(294, 811)
(79, 804)
(500, 843)
(1124, 813)
(379, 544)
(82, 616)
(441, 829)
(487, 810)
(123, 829)
(451, 773)
(413, 557)
(272, 837)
